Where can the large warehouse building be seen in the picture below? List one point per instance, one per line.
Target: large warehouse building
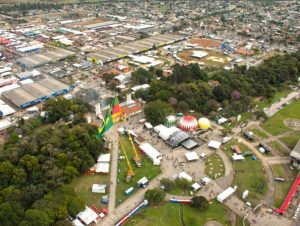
(37, 92)
(44, 58)
(121, 51)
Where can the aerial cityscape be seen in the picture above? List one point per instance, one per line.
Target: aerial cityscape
(149, 113)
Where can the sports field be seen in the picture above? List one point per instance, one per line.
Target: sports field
(244, 177)
(168, 214)
(276, 124)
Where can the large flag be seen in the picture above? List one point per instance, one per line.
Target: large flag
(116, 111)
(108, 123)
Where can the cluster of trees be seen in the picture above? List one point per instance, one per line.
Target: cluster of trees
(169, 185)
(29, 6)
(38, 160)
(155, 195)
(205, 91)
(200, 203)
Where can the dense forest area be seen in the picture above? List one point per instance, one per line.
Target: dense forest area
(207, 91)
(39, 158)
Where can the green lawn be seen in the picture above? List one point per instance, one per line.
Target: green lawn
(147, 170)
(83, 187)
(291, 140)
(167, 214)
(281, 188)
(244, 177)
(275, 124)
(267, 102)
(278, 148)
(260, 133)
(214, 166)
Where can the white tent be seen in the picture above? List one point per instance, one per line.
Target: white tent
(99, 188)
(191, 156)
(237, 157)
(88, 216)
(77, 222)
(167, 132)
(148, 125)
(104, 158)
(151, 152)
(225, 194)
(159, 128)
(206, 180)
(102, 167)
(214, 144)
(196, 186)
(184, 175)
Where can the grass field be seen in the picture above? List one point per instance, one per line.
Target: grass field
(291, 140)
(244, 177)
(259, 133)
(275, 124)
(83, 187)
(214, 166)
(278, 148)
(167, 214)
(281, 188)
(147, 170)
(214, 58)
(279, 94)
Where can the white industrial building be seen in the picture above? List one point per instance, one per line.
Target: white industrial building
(151, 153)
(225, 194)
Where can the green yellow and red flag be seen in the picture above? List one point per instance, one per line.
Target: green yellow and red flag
(116, 110)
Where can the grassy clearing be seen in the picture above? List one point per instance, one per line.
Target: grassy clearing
(275, 124)
(267, 102)
(147, 170)
(83, 187)
(291, 140)
(260, 133)
(278, 148)
(281, 188)
(214, 166)
(244, 177)
(167, 214)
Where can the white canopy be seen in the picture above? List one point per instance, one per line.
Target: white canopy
(214, 144)
(191, 156)
(99, 188)
(196, 186)
(184, 175)
(88, 215)
(166, 132)
(238, 157)
(102, 167)
(104, 158)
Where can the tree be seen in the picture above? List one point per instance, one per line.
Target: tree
(182, 106)
(183, 183)
(36, 218)
(155, 195)
(142, 76)
(200, 203)
(156, 111)
(167, 183)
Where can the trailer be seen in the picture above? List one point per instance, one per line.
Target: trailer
(129, 191)
(181, 201)
(132, 213)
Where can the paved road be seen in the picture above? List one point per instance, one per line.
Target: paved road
(112, 137)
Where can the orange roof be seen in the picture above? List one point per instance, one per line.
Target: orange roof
(244, 52)
(205, 42)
